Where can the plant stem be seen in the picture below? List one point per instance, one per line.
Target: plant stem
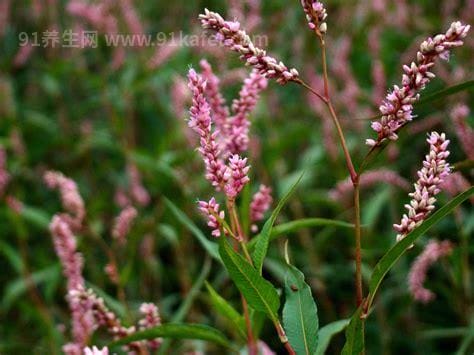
(358, 258)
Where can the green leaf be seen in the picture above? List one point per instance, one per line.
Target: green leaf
(36, 217)
(354, 335)
(300, 315)
(355, 330)
(210, 247)
(259, 293)
(446, 92)
(293, 226)
(226, 310)
(390, 258)
(261, 245)
(327, 332)
(176, 331)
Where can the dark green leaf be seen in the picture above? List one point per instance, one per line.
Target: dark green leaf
(259, 293)
(327, 332)
(226, 310)
(354, 335)
(300, 315)
(446, 92)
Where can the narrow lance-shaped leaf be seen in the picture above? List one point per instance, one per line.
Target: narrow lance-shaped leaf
(226, 310)
(261, 246)
(210, 247)
(176, 331)
(259, 293)
(355, 342)
(300, 315)
(326, 333)
(293, 226)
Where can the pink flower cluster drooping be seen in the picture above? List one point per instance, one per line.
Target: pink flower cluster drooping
(211, 210)
(433, 251)
(72, 264)
(151, 318)
(71, 199)
(397, 109)
(464, 132)
(200, 122)
(430, 178)
(123, 223)
(261, 202)
(230, 34)
(316, 15)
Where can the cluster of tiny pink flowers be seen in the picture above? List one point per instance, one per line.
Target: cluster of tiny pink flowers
(237, 138)
(211, 210)
(316, 15)
(464, 132)
(72, 263)
(220, 112)
(397, 109)
(137, 191)
(261, 202)
(200, 122)
(236, 176)
(123, 223)
(70, 197)
(230, 34)
(430, 178)
(4, 174)
(433, 252)
(96, 351)
(151, 319)
(103, 316)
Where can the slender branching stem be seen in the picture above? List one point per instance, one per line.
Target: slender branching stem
(355, 177)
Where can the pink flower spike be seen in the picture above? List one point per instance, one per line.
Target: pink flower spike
(236, 176)
(123, 224)
(214, 216)
(397, 108)
(464, 132)
(96, 351)
(71, 199)
(261, 202)
(230, 34)
(433, 251)
(151, 319)
(430, 178)
(237, 138)
(200, 122)
(316, 15)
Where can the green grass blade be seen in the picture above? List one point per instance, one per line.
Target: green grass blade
(176, 331)
(209, 246)
(261, 245)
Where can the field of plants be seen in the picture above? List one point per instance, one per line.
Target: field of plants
(236, 177)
